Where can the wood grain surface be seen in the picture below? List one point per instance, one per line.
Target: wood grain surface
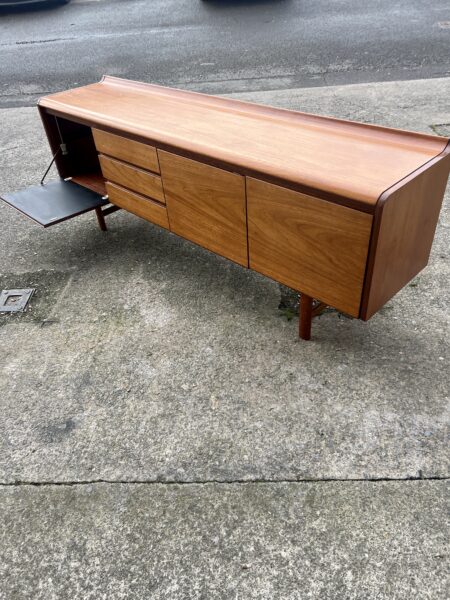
(139, 205)
(351, 160)
(402, 242)
(92, 181)
(206, 205)
(132, 178)
(311, 245)
(136, 153)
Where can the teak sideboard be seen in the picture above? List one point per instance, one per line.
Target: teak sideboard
(343, 212)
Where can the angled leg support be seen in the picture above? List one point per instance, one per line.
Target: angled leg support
(102, 213)
(308, 309)
(305, 317)
(101, 218)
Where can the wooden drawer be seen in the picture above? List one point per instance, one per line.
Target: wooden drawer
(134, 179)
(130, 151)
(311, 245)
(138, 205)
(206, 205)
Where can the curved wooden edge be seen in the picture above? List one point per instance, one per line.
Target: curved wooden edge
(226, 166)
(329, 139)
(379, 207)
(243, 106)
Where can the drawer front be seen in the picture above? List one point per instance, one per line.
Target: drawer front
(138, 205)
(206, 205)
(316, 247)
(130, 151)
(134, 179)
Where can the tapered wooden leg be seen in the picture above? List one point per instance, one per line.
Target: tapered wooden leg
(305, 317)
(101, 219)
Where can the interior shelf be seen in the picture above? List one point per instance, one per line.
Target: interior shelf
(92, 181)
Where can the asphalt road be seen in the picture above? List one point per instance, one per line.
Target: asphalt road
(221, 46)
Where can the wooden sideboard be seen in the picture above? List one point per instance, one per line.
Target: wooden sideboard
(343, 212)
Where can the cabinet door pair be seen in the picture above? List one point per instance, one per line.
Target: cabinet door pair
(309, 244)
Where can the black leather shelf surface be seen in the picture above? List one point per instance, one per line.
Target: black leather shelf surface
(54, 202)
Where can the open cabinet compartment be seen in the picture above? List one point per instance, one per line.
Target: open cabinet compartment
(81, 187)
(79, 160)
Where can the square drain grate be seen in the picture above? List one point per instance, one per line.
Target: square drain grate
(15, 300)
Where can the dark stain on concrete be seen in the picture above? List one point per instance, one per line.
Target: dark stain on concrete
(58, 432)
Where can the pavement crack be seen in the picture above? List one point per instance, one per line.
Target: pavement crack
(86, 482)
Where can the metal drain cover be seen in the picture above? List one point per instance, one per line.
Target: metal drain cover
(15, 300)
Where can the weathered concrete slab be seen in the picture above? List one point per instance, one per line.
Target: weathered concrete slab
(371, 541)
(147, 358)
(414, 105)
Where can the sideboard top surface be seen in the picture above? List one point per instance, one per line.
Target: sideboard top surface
(343, 158)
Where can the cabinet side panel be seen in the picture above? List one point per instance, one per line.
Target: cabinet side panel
(404, 236)
(313, 246)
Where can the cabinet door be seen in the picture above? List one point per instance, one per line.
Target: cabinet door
(206, 205)
(311, 245)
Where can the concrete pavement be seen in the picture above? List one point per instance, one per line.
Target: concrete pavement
(147, 359)
(230, 541)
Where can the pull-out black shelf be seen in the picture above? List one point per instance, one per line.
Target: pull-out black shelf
(54, 202)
